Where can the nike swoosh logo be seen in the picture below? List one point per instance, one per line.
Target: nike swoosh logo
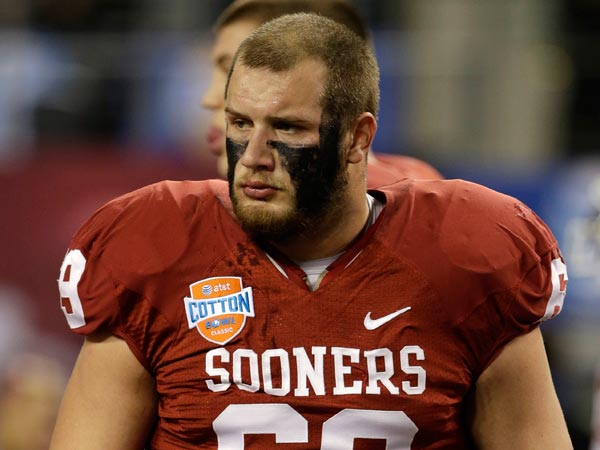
(372, 324)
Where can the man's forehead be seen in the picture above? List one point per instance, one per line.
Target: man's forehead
(304, 74)
(284, 92)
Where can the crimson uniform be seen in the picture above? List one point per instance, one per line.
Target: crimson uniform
(387, 169)
(385, 352)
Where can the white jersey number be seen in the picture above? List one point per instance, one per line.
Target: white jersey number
(70, 273)
(289, 426)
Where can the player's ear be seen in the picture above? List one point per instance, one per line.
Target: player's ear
(362, 135)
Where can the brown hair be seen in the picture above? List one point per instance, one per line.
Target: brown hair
(262, 11)
(352, 85)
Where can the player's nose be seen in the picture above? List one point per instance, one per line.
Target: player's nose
(259, 155)
(213, 96)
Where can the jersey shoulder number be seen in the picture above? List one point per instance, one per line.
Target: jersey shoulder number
(71, 271)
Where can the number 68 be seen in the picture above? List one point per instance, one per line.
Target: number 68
(289, 426)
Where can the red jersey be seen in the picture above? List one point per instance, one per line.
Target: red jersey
(387, 169)
(384, 354)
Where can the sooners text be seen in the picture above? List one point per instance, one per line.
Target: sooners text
(275, 371)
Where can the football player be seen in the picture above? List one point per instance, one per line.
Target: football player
(292, 307)
(242, 17)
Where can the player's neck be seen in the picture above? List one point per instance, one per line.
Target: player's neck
(330, 236)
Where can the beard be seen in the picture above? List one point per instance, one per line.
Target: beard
(319, 176)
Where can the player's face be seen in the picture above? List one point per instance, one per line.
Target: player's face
(285, 170)
(227, 42)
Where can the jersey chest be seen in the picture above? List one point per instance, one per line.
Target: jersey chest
(365, 347)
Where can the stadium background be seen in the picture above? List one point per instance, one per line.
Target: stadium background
(99, 97)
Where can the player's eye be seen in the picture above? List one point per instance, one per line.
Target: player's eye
(240, 124)
(286, 127)
(224, 63)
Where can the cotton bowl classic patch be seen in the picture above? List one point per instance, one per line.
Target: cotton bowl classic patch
(218, 308)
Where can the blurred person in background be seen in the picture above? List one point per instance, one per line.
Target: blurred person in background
(16, 331)
(31, 386)
(242, 17)
(33, 374)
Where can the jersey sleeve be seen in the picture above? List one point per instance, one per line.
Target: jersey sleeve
(541, 288)
(89, 293)
(115, 263)
(524, 293)
(494, 264)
